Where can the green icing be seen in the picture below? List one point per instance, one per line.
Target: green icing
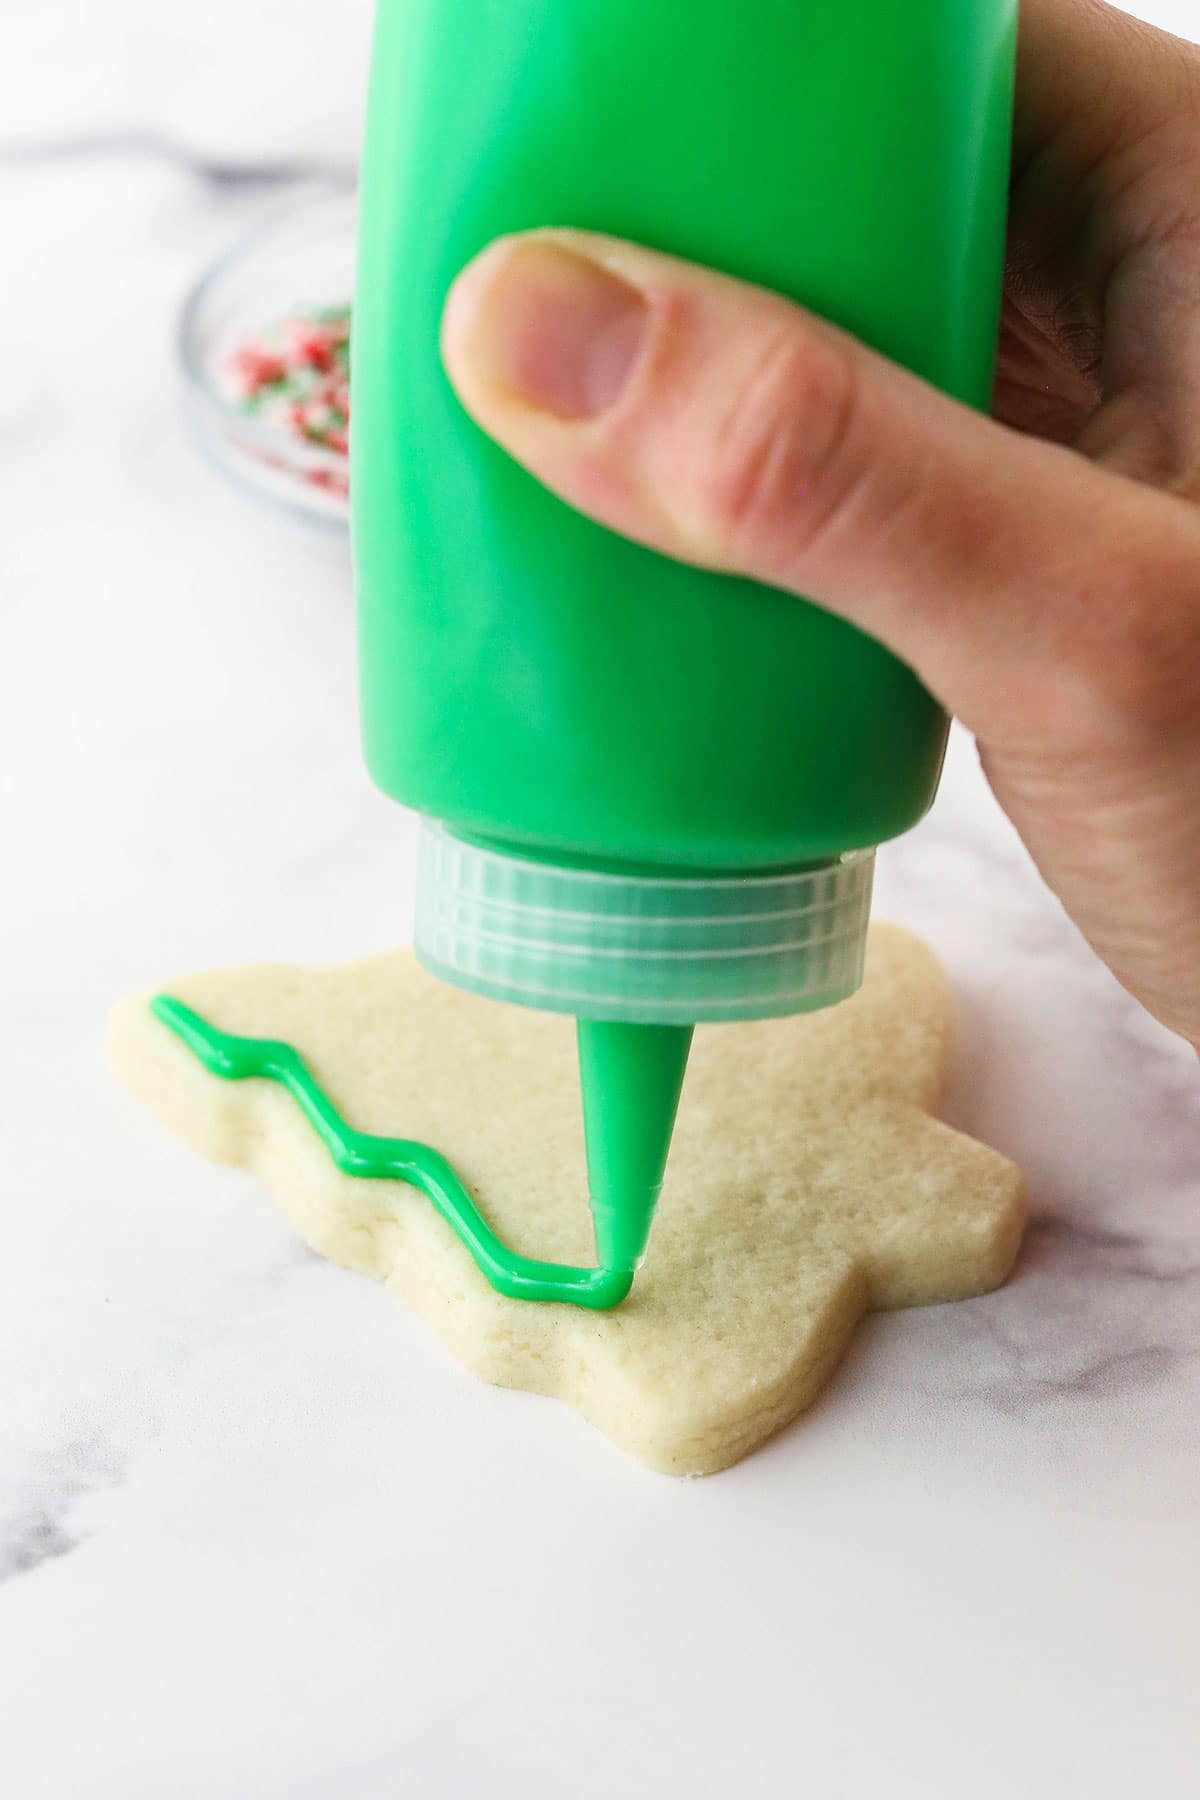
(360, 1154)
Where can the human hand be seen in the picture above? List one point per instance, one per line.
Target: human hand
(1041, 572)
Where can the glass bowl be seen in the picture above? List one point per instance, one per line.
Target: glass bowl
(302, 260)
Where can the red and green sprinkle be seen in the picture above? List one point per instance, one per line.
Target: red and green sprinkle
(295, 376)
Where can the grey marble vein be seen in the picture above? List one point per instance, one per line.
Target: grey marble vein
(1093, 1315)
(217, 171)
(1122, 1251)
(37, 1529)
(30, 1541)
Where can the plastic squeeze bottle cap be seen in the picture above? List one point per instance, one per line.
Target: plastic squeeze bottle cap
(639, 958)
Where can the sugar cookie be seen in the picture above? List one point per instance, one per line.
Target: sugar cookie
(807, 1184)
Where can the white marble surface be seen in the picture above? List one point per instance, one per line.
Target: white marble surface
(258, 1535)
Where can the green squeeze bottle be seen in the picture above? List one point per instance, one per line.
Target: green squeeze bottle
(651, 794)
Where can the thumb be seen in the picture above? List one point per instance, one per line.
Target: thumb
(723, 426)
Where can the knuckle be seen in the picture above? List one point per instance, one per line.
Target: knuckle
(776, 471)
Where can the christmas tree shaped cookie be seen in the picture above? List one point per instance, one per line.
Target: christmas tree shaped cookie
(808, 1181)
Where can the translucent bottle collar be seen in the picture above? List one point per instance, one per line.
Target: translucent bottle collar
(642, 947)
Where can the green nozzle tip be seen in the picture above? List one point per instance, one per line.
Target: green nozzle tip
(632, 1077)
